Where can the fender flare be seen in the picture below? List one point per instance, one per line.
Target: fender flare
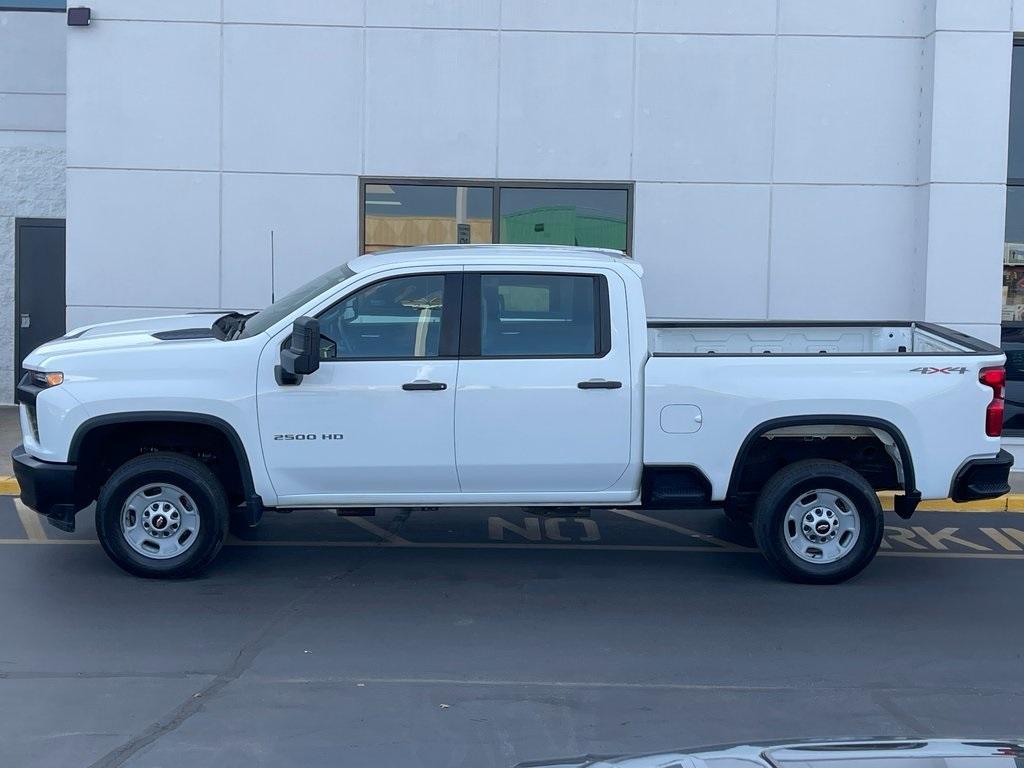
(909, 480)
(185, 417)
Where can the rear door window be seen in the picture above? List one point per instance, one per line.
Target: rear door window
(539, 315)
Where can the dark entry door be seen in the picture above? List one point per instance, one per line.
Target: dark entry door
(39, 301)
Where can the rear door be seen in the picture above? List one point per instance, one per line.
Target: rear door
(544, 393)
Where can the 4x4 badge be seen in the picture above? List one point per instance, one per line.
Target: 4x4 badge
(947, 369)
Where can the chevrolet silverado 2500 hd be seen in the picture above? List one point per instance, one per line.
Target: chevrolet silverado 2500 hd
(490, 375)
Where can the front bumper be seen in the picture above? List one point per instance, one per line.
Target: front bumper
(983, 478)
(47, 488)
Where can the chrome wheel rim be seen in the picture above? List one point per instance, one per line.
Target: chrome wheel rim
(821, 526)
(160, 521)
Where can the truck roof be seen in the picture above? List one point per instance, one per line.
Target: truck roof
(485, 253)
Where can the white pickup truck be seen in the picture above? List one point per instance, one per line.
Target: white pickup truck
(502, 375)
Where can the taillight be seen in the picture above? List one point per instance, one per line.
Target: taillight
(995, 378)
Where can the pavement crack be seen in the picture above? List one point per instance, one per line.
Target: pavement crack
(246, 655)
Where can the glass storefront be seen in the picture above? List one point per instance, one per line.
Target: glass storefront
(1013, 254)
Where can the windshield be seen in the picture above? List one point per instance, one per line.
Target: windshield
(284, 306)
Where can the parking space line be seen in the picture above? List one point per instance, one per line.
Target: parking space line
(639, 517)
(233, 541)
(331, 680)
(376, 530)
(30, 522)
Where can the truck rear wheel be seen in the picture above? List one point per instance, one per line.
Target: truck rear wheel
(162, 515)
(818, 522)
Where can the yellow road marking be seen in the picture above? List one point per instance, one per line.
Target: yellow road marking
(37, 542)
(30, 522)
(9, 486)
(639, 517)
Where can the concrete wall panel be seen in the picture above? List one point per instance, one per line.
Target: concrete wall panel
(434, 110)
(462, 14)
(321, 12)
(965, 248)
(568, 15)
(314, 222)
(848, 110)
(904, 18)
(704, 249)
(32, 52)
(144, 95)
(565, 106)
(970, 107)
(845, 252)
(733, 17)
(694, 127)
(156, 10)
(292, 99)
(142, 238)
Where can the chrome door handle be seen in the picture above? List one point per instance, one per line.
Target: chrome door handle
(26, 320)
(599, 384)
(429, 386)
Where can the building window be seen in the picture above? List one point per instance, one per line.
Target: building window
(402, 212)
(1013, 253)
(33, 5)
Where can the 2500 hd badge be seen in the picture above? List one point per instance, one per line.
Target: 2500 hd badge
(310, 436)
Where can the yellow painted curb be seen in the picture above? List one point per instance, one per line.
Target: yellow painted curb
(9, 486)
(1012, 502)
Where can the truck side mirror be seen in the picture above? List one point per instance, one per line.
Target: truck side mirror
(301, 355)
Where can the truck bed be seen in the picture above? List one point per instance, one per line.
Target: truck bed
(709, 385)
(674, 337)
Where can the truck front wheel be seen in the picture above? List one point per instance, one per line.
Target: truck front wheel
(818, 522)
(162, 515)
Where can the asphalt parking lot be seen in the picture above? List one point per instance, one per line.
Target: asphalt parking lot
(489, 637)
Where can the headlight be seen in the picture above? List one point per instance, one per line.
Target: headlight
(44, 380)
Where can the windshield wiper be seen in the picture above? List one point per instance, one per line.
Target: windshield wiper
(227, 327)
(241, 324)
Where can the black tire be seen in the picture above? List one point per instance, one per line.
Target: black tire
(787, 486)
(191, 476)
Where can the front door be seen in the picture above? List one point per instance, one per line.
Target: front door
(544, 398)
(39, 301)
(375, 422)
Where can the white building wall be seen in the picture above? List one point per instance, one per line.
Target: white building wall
(31, 147)
(792, 158)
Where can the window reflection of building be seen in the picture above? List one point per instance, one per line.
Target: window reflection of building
(402, 213)
(1013, 254)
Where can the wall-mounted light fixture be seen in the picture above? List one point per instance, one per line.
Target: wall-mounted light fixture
(79, 17)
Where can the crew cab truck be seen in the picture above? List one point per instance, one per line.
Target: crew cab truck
(502, 375)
